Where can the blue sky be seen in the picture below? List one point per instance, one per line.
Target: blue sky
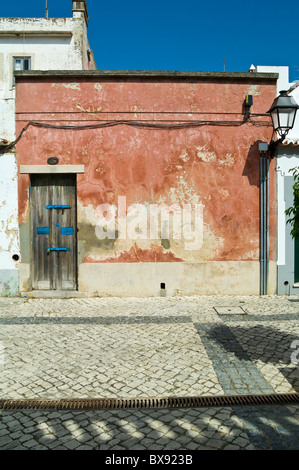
(182, 35)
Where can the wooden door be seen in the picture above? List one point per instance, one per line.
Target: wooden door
(54, 230)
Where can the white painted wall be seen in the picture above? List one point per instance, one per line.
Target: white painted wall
(284, 84)
(293, 135)
(52, 44)
(8, 211)
(284, 164)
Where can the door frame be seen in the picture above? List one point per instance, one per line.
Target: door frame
(54, 262)
(57, 169)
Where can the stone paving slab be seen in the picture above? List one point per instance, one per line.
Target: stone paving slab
(155, 347)
(144, 360)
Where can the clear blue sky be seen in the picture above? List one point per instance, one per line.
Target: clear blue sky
(182, 34)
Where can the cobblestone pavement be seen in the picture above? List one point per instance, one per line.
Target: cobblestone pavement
(153, 347)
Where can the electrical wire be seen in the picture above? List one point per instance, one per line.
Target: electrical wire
(137, 124)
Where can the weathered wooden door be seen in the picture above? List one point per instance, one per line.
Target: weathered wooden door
(54, 230)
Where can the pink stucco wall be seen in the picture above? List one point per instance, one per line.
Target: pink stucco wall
(217, 166)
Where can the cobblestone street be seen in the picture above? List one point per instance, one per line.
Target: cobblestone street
(153, 347)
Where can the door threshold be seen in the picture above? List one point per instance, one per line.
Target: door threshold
(53, 294)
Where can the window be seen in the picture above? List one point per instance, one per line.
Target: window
(21, 63)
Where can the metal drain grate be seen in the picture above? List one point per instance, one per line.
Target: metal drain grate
(135, 403)
(230, 310)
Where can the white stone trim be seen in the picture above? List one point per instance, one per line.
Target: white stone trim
(9, 33)
(29, 169)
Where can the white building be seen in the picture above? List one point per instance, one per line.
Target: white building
(30, 44)
(287, 159)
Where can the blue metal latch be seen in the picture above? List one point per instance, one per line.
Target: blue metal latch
(57, 249)
(42, 230)
(67, 231)
(57, 206)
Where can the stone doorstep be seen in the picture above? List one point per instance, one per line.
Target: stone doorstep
(53, 294)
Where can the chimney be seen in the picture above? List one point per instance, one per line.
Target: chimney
(80, 10)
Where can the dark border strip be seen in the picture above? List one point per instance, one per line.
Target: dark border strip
(95, 320)
(170, 402)
(257, 318)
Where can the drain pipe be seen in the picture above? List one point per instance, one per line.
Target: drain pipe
(264, 218)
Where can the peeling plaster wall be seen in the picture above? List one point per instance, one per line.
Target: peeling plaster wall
(214, 166)
(52, 44)
(8, 226)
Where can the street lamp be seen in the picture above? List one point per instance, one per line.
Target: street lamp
(283, 112)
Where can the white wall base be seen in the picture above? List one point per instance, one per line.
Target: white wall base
(144, 279)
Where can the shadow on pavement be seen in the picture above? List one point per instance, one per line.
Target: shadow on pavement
(189, 429)
(261, 343)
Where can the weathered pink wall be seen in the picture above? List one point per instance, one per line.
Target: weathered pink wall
(218, 166)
